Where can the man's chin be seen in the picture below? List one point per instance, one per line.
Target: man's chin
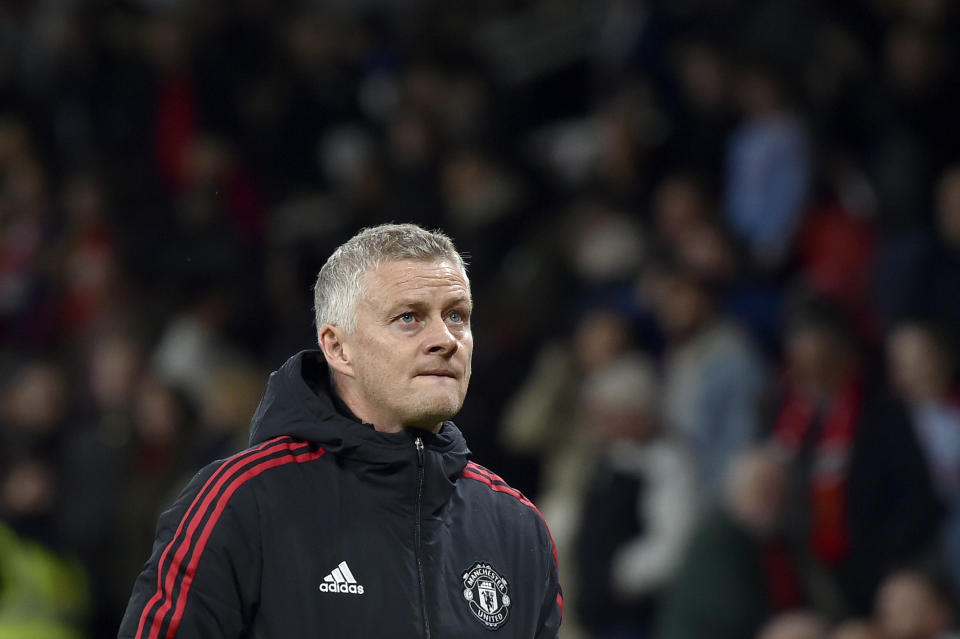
(431, 417)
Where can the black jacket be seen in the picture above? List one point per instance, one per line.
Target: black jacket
(327, 528)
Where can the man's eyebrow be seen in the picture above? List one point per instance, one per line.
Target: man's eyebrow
(410, 303)
(461, 299)
(403, 304)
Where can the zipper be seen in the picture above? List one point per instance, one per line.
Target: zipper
(417, 536)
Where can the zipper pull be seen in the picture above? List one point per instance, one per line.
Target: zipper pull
(418, 442)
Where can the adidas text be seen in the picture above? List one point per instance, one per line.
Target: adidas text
(353, 589)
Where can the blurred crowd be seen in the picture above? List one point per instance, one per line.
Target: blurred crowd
(714, 248)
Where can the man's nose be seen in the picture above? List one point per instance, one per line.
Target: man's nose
(439, 338)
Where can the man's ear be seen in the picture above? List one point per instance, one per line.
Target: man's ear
(335, 350)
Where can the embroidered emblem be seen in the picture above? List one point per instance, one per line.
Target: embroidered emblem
(487, 594)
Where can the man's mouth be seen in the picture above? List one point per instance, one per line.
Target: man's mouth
(438, 373)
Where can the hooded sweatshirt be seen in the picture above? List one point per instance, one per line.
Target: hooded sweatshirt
(328, 528)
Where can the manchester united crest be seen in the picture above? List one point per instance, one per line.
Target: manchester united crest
(487, 594)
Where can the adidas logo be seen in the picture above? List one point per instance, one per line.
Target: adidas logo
(341, 580)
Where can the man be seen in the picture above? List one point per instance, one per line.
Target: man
(356, 513)
(714, 375)
(921, 360)
(638, 505)
(738, 569)
(861, 499)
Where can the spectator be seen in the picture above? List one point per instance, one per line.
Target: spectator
(101, 438)
(158, 462)
(911, 135)
(688, 226)
(921, 365)
(88, 276)
(34, 418)
(638, 505)
(193, 344)
(738, 569)
(230, 398)
(862, 498)
(43, 594)
(706, 112)
(546, 417)
(43, 589)
(25, 232)
(768, 168)
(714, 375)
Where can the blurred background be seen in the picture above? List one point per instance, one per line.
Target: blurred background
(714, 248)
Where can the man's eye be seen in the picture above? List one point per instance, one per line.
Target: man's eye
(407, 318)
(456, 317)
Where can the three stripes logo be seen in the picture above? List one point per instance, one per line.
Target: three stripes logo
(342, 580)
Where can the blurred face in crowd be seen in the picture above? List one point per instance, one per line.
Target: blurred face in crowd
(407, 361)
(621, 399)
(918, 369)
(410, 141)
(703, 77)
(37, 399)
(908, 607)
(230, 399)
(912, 58)
(816, 358)
(158, 413)
(27, 487)
(757, 92)
(682, 306)
(475, 190)
(604, 245)
(706, 251)
(678, 207)
(600, 337)
(114, 367)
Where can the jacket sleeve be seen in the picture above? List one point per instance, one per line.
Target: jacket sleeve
(201, 578)
(551, 609)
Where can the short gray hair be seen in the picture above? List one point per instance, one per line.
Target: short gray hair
(340, 283)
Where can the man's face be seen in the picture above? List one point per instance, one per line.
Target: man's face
(411, 347)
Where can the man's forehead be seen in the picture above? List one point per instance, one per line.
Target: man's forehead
(415, 277)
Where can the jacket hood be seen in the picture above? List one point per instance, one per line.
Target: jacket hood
(298, 402)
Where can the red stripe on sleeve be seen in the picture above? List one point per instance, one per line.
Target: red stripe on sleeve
(191, 521)
(212, 522)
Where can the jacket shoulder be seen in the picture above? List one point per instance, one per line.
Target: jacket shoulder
(502, 493)
(493, 482)
(226, 476)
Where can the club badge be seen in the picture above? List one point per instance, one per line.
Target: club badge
(487, 594)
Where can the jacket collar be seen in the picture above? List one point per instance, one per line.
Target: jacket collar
(298, 402)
